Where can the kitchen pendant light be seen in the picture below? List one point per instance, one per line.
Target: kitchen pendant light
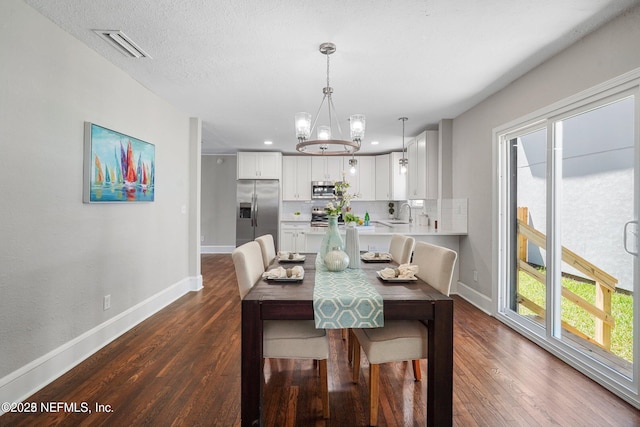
(353, 162)
(325, 144)
(404, 162)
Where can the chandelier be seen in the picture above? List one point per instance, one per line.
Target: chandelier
(403, 161)
(325, 144)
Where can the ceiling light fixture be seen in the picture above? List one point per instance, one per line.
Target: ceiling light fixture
(404, 162)
(324, 142)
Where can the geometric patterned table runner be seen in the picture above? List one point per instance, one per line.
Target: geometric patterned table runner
(345, 299)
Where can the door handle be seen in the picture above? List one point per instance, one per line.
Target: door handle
(255, 210)
(635, 234)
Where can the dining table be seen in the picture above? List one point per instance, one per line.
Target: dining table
(293, 300)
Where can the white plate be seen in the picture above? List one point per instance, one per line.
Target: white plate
(397, 279)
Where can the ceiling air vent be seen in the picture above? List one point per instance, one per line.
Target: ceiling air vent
(124, 44)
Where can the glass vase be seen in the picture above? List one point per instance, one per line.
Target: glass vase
(332, 238)
(336, 260)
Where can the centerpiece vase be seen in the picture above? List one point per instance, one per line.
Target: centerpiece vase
(352, 245)
(332, 238)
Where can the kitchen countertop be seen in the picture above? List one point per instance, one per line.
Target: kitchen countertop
(383, 228)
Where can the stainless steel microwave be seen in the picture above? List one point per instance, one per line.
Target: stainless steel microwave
(322, 189)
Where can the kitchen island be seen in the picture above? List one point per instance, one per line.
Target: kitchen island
(301, 237)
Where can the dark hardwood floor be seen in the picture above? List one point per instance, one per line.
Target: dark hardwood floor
(182, 367)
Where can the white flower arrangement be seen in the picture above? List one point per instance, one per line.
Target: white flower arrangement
(341, 198)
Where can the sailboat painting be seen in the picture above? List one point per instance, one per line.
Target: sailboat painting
(117, 167)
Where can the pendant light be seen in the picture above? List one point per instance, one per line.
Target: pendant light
(404, 162)
(325, 143)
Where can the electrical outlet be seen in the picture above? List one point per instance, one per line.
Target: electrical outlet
(106, 302)
(475, 275)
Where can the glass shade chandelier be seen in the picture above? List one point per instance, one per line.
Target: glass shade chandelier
(326, 142)
(404, 162)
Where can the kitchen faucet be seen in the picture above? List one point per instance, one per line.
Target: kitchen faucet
(408, 205)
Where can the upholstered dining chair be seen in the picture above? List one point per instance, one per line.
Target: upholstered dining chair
(268, 248)
(283, 339)
(401, 340)
(401, 248)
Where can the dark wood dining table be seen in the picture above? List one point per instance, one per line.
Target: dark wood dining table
(402, 301)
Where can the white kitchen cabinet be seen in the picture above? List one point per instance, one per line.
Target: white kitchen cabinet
(422, 170)
(390, 183)
(383, 183)
(326, 168)
(259, 165)
(293, 239)
(363, 183)
(296, 178)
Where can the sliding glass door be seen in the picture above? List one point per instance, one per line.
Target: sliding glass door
(568, 232)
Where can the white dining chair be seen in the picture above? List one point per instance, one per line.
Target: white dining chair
(283, 339)
(268, 248)
(401, 248)
(401, 340)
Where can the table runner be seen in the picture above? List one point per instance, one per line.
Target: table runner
(345, 299)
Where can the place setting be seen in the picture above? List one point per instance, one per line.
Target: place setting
(286, 257)
(402, 274)
(286, 275)
(376, 257)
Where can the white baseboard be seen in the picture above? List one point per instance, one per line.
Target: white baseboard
(474, 297)
(216, 249)
(30, 378)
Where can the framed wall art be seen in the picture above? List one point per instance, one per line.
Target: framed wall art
(117, 167)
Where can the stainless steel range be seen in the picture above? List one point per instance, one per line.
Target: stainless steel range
(319, 217)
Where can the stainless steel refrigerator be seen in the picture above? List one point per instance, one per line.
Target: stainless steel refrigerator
(257, 209)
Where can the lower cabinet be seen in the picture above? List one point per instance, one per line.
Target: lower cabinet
(293, 240)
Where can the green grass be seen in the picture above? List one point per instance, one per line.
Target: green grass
(621, 308)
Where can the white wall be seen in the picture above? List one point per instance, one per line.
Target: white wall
(58, 256)
(219, 203)
(602, 55)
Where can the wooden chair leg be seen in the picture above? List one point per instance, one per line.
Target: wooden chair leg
(324, 388)
(416, 370)
(350, 338)
(356, 359)
(345, 332)
(374, 374)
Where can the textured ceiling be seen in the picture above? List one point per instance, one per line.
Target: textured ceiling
(246, 67)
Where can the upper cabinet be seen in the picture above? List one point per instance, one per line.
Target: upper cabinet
(383, 181)
(326, 168)
(390, 183)
(296, 178)
(422, 170)
(259, 165)
(362, 184)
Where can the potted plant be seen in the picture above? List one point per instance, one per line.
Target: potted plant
(391, 209)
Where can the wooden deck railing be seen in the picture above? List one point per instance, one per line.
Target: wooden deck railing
(605, 284)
